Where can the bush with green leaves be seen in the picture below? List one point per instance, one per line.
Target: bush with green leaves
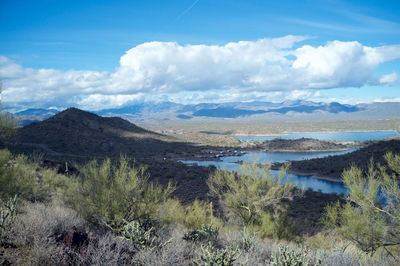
(199, 213)
(212, 256)
(371, 217)
(7, 125)
(204, 233)
(22, 177)
(252, 197)
(193, 215)
(110, 194)
(8, 211)
(289, 257)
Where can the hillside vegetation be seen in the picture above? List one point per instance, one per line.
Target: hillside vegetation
(111, 213)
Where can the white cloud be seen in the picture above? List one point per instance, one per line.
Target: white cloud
(391, 78)
(100, 101)
(237, 70)
(302, 94)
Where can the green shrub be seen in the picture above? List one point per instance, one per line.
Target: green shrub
(253, 198)
(112, 194)
(199, 213)
(365, 220)
(7, 125)
(19, 176)
(193, 216)
(204, 233)
(212, 256)
(171, 212)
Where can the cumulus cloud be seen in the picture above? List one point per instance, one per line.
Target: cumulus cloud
(100, 101)
(391, 78)
(244, 69)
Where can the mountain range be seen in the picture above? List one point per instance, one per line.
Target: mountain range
(232, 110)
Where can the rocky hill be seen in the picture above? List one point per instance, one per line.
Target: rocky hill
(76, 133)
(302, 144)
(333, 166)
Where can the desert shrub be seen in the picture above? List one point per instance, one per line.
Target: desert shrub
(210, 255)
(193, 215)
(324, 240)
(8, 211)
(243, 240)
(36, 232)
(176, 252)
(171, 212)
(115, 194)
(371, 218)
(289, 257)
(199, 213)
(7, 125)
(105, 250)
(252, 198)
(204, 233)
(19, 176)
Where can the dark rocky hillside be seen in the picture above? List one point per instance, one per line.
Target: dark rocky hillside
(333, 166)
(76, 133)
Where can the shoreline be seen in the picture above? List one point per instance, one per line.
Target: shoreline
(308, 151)
(313, 174)
(219, 156)
(297, 132)
(316, 176)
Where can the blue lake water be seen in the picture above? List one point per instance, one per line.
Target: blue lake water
(301, 181)
(231, 163)
(329, 136)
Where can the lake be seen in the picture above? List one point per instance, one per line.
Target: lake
(231, 163)
(328, 136)
(301, 181)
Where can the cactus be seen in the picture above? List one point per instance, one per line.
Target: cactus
(211, 256)
(141, 236)
(288, 257)
(8, 211)
(204, 233)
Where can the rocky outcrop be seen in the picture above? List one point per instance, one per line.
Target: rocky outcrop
(303, 144)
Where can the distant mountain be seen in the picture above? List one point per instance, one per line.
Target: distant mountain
(296, 106)
(233, 110)
(333, 107)
(26, 122)
(185, 117)
(37, 112)
(140, 108)
(33, 115)
(226, 112)
(76, 133)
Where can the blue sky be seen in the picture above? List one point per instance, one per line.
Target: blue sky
(83, 40)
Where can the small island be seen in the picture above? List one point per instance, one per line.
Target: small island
(302, 145)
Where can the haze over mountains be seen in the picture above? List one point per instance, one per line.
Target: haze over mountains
(231, 110)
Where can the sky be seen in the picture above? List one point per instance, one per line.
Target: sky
(104, 54)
